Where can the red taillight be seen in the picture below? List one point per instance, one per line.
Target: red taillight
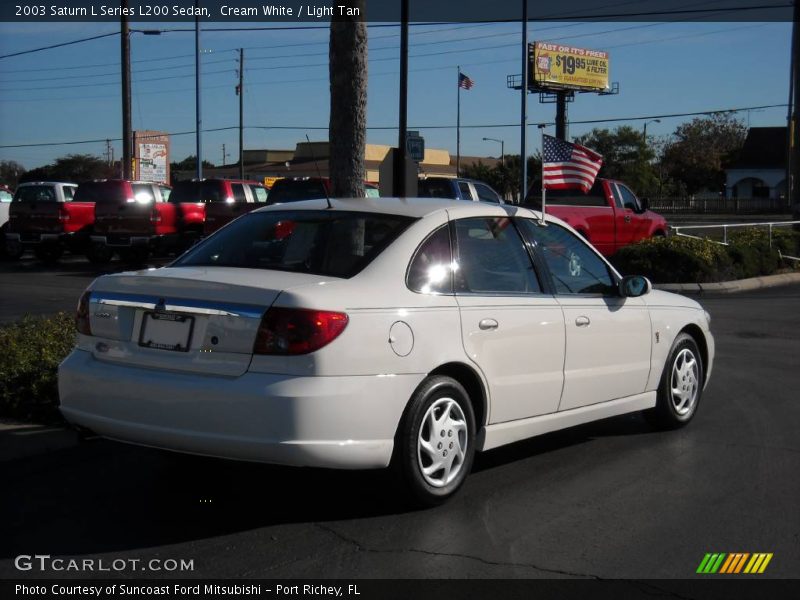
(297, 331)
(82, 314)
(63, 215)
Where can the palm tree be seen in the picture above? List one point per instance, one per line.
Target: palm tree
(348, 87)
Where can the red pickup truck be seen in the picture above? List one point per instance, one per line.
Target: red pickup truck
(610, 216)
(44, 216)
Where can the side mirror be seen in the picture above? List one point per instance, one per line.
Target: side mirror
(633, 286)
(645, 204)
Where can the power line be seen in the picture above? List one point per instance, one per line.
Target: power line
(88, 39)
(394, 127)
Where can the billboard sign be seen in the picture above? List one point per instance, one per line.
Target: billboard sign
(557, 67)
(151, 154)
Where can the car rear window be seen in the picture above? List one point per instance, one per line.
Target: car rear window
(35, 193)
(331, 243)
(295, 190)
(101, 191)
(595, 197)
(198, 191)
(435, 188)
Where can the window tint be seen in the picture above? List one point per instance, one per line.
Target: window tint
(596, 196)
(69, 192)
(101, 191)
(295, 190)
(238, 192)
(197, 191)
(333, 243)
(629, 199)
(466, 194)
(435, 188)
(492, 258)
(35, 193)
(486, 193)
(575, 267)
(259, 193)
(431, 269)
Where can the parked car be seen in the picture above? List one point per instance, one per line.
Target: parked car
(457, 189)
(409, 333)
(207, 205)
(295, 189)
(45, 217)
(131, 217)
(610, 215)
(6, 195)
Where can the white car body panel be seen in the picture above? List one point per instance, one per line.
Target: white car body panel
(341, 405)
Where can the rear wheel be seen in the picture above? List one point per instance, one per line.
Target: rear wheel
(435, 444)
(10, 249)
(681, 386)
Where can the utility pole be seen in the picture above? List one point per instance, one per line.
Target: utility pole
(224, 155)
(199, 124)
(561, 115)
(399, 179)
(523, 152)
(241, 113)
(125, 49)
(793, 133)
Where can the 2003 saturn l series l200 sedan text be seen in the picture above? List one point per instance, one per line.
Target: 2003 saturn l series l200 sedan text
(380, 332)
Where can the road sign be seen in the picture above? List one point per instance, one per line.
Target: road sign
(415, 146)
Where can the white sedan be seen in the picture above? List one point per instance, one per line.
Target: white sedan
(378, 332)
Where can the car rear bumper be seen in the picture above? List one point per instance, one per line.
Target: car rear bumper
(339, 422)
(38, 238)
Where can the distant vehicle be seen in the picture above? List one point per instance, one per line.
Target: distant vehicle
(457, 189)
(207, 205)
(45, 216)
(610, 216)
(6, 196)
(295, 189)
(129, 215)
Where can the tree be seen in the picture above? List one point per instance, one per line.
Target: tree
(75, 168)
(700, 150)
(189, 164)
(10, 172)
(504, 178)
(347, 127)
(626, 156)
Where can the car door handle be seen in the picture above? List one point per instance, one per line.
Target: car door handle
(582, 321)
(627, 218)
(488, 324)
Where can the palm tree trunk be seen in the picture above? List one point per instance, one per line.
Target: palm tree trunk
(348, 87)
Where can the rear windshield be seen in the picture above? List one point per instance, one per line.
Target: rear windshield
(101, 191)
(595, 197)
(198, 191)
(331, 243)
(294, 190)
(435, 188)
(35, 193)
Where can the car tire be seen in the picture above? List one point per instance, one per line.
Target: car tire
(435, 443)
(10, 249)
(681, 386)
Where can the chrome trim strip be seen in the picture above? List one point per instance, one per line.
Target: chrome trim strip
(183, 305)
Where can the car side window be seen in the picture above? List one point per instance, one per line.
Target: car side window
(69, 193)
(629, 199)
(492, 258)
(617, 197)
(259, 193)
(238, 192)
(486, 193)
(466, 193)
(431, 269)
(5, 196)
(574, 266)
(165, 192)
(143, 193)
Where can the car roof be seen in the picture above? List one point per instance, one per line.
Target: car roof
(47, 183)
(411, 207)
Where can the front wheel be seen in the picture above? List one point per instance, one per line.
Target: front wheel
(681, 386)
(435, 444)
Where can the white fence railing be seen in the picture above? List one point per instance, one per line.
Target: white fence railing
(679, 230)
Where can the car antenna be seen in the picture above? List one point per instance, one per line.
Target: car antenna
(316, 164)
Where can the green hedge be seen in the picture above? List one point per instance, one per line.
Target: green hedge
(31, 352)
(677, 259)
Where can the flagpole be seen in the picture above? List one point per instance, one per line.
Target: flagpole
(544, 190)
(458, 125)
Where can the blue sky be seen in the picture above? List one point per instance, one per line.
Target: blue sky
(72, 93)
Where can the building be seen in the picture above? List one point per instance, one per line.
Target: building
(760, 169)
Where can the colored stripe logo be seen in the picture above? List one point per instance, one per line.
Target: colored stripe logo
(734, 563)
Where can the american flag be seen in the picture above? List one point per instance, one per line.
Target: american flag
(568, 166)
(465, 82)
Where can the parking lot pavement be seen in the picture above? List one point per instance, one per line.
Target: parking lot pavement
(606, 500)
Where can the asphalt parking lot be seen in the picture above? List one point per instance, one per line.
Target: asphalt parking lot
(607, 500)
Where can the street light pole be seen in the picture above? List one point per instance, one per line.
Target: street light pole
(502, 148)
(199, 123)
(125, 48)
(644, 129)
